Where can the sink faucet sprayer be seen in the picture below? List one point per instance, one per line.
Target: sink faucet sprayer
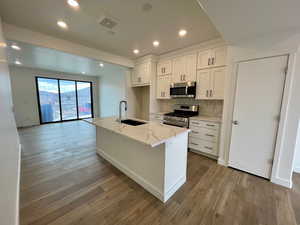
(120, 109)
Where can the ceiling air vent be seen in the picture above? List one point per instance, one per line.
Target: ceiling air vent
(108, 22)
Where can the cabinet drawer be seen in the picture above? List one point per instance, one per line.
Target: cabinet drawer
(203, 146)
(205, 134)
(209, 125)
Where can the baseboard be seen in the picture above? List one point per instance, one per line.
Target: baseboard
(222, 162)
(174, 188)
(297, 169)
(204, 154)
(282, 182)
(138, 179)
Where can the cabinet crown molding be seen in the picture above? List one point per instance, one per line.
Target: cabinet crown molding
(147, 58)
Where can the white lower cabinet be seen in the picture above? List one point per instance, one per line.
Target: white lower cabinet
(204, 137)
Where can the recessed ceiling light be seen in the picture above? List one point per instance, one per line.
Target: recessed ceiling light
(62, 24)
(182, 33)
(136, 51)
(73, 3)
(17, 62)
(83, 72)
(15, 47)
(101, 64)
(155, 43)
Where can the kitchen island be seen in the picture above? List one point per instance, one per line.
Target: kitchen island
(152, 154)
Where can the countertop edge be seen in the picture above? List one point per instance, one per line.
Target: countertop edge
(153, 145)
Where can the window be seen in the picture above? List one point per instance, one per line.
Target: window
(64, 100)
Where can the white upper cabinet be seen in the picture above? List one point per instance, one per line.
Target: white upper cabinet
(190, 67)
(184, 68)
(141, 74)
(212, 58)
(218, 82)
(178, 69)
(204, 58)
(163, 87)
(219, 56)
(210, 83)
(203, 84)
(164, 68)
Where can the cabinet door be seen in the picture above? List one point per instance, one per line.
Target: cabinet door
(135, 77)
(163, 87)
(144, 72)
(203, 84)
(204, 59)
(190, 68)
(219, 56)
(178, 69)
(164, 68)
(218, 82)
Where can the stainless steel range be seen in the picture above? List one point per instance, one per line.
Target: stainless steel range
(180, 116)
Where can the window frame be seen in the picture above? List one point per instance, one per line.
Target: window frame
(59, 97)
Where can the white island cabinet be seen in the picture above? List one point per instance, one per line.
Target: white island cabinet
(154, 155)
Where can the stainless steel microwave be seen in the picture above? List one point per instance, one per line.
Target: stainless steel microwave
(183, 90)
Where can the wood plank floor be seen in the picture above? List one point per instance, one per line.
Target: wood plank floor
(64, 182)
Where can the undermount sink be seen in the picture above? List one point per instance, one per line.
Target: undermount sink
(132, 122)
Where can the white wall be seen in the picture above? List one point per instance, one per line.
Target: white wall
(9, 149)
(25, 96)
(112, 90)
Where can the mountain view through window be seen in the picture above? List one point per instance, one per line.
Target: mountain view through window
(63, 100)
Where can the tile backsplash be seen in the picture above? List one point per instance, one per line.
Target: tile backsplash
(207, 107)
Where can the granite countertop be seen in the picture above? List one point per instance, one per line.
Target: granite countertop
(151, 133)
(207, 119)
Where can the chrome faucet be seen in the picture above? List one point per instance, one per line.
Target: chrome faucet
(120, 109)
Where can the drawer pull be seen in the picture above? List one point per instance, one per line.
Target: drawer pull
(195, 123)
(210, 148)
(209, 135)
(210, 125)
(194, 143)
(195, 132)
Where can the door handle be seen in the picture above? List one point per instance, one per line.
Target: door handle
(210, 93)
(213, 61)
(206, 93)
(208, 61)
(235, 122)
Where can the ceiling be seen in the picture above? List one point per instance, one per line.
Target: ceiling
(49, 59)
(240, 21)
(136, 27)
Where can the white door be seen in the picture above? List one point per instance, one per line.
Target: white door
(257, 108)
